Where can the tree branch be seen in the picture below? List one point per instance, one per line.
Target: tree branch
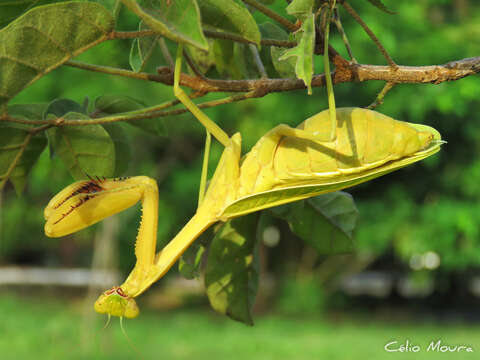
(147, 113)
(344, 73)
(272, 15)
(351, 73)
(433, 74)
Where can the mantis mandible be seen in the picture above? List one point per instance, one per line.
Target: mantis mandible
(285, 165)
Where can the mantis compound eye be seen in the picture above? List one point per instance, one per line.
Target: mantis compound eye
(116, 303)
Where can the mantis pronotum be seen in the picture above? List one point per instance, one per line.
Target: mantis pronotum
(286, 164)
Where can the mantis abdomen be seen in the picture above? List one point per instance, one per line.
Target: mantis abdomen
(365, 139)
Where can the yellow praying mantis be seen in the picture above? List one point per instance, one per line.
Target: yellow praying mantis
(287, 164)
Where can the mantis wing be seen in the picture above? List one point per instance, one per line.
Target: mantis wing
(310, 188)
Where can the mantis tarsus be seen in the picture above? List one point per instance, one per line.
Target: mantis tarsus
(287, 164)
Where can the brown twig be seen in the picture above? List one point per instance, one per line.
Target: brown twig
(344, 73)
(208, 33)
(131, 116)
(257, 88)
(370, 33)
(381, 95)
(165, 52)
(333, 54)
(192, 65)
(433, 74)
(352, 73)
(272, 15)
(338, 24)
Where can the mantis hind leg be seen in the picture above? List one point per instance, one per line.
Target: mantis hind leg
(208, 123)
(203, 177)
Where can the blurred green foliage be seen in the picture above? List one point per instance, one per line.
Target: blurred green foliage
(432, 206)
(28, 324)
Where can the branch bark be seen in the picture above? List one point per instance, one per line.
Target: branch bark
(432, 74)
(256, 88)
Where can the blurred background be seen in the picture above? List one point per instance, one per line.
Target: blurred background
(414, 276)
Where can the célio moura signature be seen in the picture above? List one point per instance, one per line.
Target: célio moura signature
(433, 346)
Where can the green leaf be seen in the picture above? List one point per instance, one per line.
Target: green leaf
(116, 104)
(225, 59)
(244, 61)
(230, 16)
(27, 111)
(231, 276)
(135, 60)
(146, 54)
(10, 10)
(272, 31)
(45, 38)
(85, 150)
(19, 150)
(190, 261)
(304, 52)
(122, 147)
(279, 196)
(204, 60)
(325, 222)
(286, 67)
(178, 20)
(60, 107)
(301, 9)
(379, 4)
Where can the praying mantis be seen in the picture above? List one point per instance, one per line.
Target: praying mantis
(287, 164)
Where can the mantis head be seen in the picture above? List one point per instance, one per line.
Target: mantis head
(86, 202)
(115, 302)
